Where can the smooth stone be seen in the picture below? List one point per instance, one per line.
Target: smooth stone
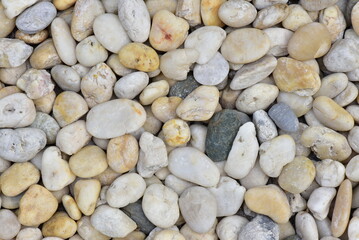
(222, 130)
(10, 225)
(329, 173)
(279, 38)
(183, 88)
(271, 15)
(154, 91)
(45, 103)
(260, 228)
(86, 193)
(11, 75)
(260, 4)
(36, 83)
(246, 146)
(199, 208)
(353, 227)
(135, 212)
(13, 9)
(354, 111)
(313, 5)
(118, 224)
(71, 207)
(229, 227)
(126, 189)
(152, 124)
(198, 136)
(7, 91)
(236, 13)
(332, 85)
(131, 85)
(196, 162)
(265, 127)
(89, 52)
(11, 203)
(347, 96)
(209, 12)
(154, 6)
(102, 121)
(352, 169)
(284, 117)
(47, 124)
(80, 69)
(306, 226)
(66, 78)
(87, 231)
(18, 178)
(255, 178)
(245, 45)
(13, 52)
(139, 56)
(189, 234)
(110, 32)
(188, 9)
(176, 132)
(177, 184)
(301, 150)
(69, 107)
(45, 55)
(153, 155)
(320, 200)
(63, 4)
(297, 202)
(36, 206)
(4, 164)
(36, 38)
(229, 195)
(18, 111)
(168, 234)
(300, 105)
(323, 227)
(296, 18)
(333, 18)
(60, 225)
(164, 108)
(29, 233)
(22, 144)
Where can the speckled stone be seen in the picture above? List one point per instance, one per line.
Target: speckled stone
(135, 212)
(284, 117)
(183, 88)
(222, 130)
(260, 228)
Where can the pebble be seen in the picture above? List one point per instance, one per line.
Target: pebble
(29, 233)
(36, 83)
(90, 52)
(199, 208)
(11, 202)
(66, 78)
(187, 9)
(71, 207)
(342, 56)
(294, 76)
(69, 107)
(353, 232)
(139, 56)
(255, 178)
(352, 138)
(229, 195)
(169, 234)
(342, 207)
(347, 96)
(45, 55)
(10, 58)
(195, 161)
(334, 20)
(245, 145)
(271, 15)
(261, 227)
(152, 124)
(284, 117)
(37, 206)
(265, 127)
(313, 5)
(352, 169)
(154, 91)
(131, 85)
(104, 116)
(84, 14)
(176, 132)
(332, 85)
(154, 6)
(324, 227)
(260, 4)
(86, 193)
(7, 24)
(81, 70)
(236, 13)
(209, 12)
(320, 200)
(7, 91)
(21, 144)
(229, 227)
(353, 110)
(279, 38)
(300, 105)
(11, 75)
(45, 103)
(63, 41)
(306, 226)
(87, 231)
(118, 224)
(177, 184)
(18, 177)
(60, 225)
(245, 45)
(296, 18)
(164, 108)
(329, 173)
(183, 88)
(63, 4)
(10, 225)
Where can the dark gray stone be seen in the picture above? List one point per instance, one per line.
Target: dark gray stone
(284, 117)
(183, 88)
(260, 228)
(222, 130)
(135, 212)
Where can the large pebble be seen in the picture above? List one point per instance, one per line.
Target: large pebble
(199, 208)
(60, 225)
(11, 75)
(320, 200)
(66, 78)
(334, 20)
(36, 83)
(86, 193)
(45, 55)
(353, 231)
(29, 233)
(176, 132)
(284, 117)
(103, 122)
(271, 16)
(14, 8)
(135, 212)
(135, 19)
(260, 228)
(189, 163)
(71, 207)
(139, 56)
(229, 227)
(183, 88)
(18, 111)
(118, 224)
(13, 52)
(36, 18)
(269, 200)
(90, 52)
(245, 45)
(237, 13)
(306, 226)
(22, 144)
(47, 124)
(9, 223)
(131, 85)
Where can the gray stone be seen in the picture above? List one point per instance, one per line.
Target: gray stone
(222, 130)
(36, 18)
(265, 127)
(293, 237)
(135, 212)
(284, 117)
(183, 88)
(260, 228)
(47, 124)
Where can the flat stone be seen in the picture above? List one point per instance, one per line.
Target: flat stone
(13, 52)
(284, 117)
(36, 83)
(260, 228)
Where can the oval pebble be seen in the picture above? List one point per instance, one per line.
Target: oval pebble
(284, 117)
(90, 52)
(236, 13)
(66, 78)
(10, 225)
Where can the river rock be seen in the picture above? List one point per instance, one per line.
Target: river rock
(209, 12)
(29, 233)
(229, 227)
(12, 74)
(131, 85)
(87, 231)
(139, 56)
(187, 9)
(36, 38)
(312, 5)
(284, 117)
(279, 38)
(261, 227)
(90, 52)
(329, 173)
(237, 13)
(13, 52)
(71, 207)
(352, 169)
(45, 103)
(320, 200)
(60, 225)
(47, 124)
(13, 9)
(66, 78)
(265, 127)
(45, 55)
(36, 83)
(86, 193)
(10, 225)
(176, 132)
(296, 18)
(347, 96)
(300, 105)
(183, 88)
(305, 226)
(164, 108)
(153, 91)
(271, 16)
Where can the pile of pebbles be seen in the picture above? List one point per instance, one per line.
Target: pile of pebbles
(179, 119)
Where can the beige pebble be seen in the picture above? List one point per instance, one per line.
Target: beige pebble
(168, 234)
(190, 10)
(347, 96)
(66, 78)
(87, 231)
(114, 63)
(10, 225)
(329, 173)
(36, 206)
(209, 12)
(334, 20)
(45, 103)
(355, 18)
(90, 52)
(176, 132)
(6, 91)
(316, 5)
(36, 38)
(139, 56)
(332, 85)
(229, 97)
(352, 169)
(86, 193)
(107, 176)
(71, 207)
(29, 233)
(296, 18)
(354, 111)
(135, 235)
(7, 24)
(154, 6)
(63, 4)
(279, 38)
(271, 16)
(189, 234)
(236, 13)
(45, 55)
(299, 104)
(164, 108)
(11, 75)
(60, 225)
(153, 91)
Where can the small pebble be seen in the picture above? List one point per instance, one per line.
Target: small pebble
(154, 91)
(236, 13)
(229, 227)
(329, 173)
(332, 85)
(352, 169)
(90, 52)
(66, 78)
(10, 225)
(187, 9)
(353, 231)
(131, 85)
(279, 38)
(271, 15)
(60, 225)
(45, 55)
(87, 231)
(296, 18)
(176, 132)
(86, 193)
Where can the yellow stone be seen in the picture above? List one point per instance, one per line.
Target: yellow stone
(86, 193)
(209, 12)
(88, 162)
(304, 46)
(269, 200)
(176, 132)
(18, 178)
(6, 91)
(139, 56)
(45, 56)
(297, 175)
(45, 103)
(355, 17)
(342, 208)
(36, 38)
(63, 4)
(164, 108)
(71, 207)
(168, 31)
(122, 153)
(294, 76)
(60, 225)
(36, 206)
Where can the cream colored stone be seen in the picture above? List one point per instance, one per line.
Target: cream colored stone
(299, 104)
(209, 12)
(63, 4)
(60, 225)
(45, 55)
(45, 103)
(236, 13)
(139, 56)
(190, 10)
(279, 38)
(86, 193)
(107, 176)
(154, 6)
(334, 20)
(305, 226)
(7, 24)
(71, 207)
(114, 63)
(36, 38)
(153, 91)
(164, 108)
(320, 200)
(332, 85)
(11, 75)
(131, 85)
(176, 132)
(271, 16)
(29, 233)
(90, 52)
(296, 18)
(347, 96)
(36, 83)
(168, 234)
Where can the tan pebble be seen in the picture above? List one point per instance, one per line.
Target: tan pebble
(236, 13)
(60, 225)
(63, 4)
(18, 178)
(36, 206)
(190, 10)
(88, 162)
(299, 104)
(153, 91)
(135, 235)
(297, 175)
(114, 63)
(271, 16)
(209, 12)
(269, 200)
(164, 108)
(7, 24)
(314, 15)
(87, 231)
(154, 6)
(107, 176)
(139, 56)
(334, 20)
(229, 97)
(245, 45)
(69, 107)
(122, 153)
(152, 124)
(313, 64)
(45, 103)
(302, 46)
(296, 18)
(176, 132)
(342, 208)
(71, 207)
(45, 56)
(11, 75)
(6, 91)
(332, 115)
(36, 38)
(168, 32)
(332, 85)
(168, 234)
(86, 193)
(355, 18)
(294, 76)
(316, 5)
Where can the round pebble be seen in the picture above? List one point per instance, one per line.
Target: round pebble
(45, 55)
(86, 193)
(329, 173)
(176, 132)
(131, 85)
(236, 13)
(90, 52)
(139, 56)
(271, 16)
(9, 58)
(66, 78)
(60, 225)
